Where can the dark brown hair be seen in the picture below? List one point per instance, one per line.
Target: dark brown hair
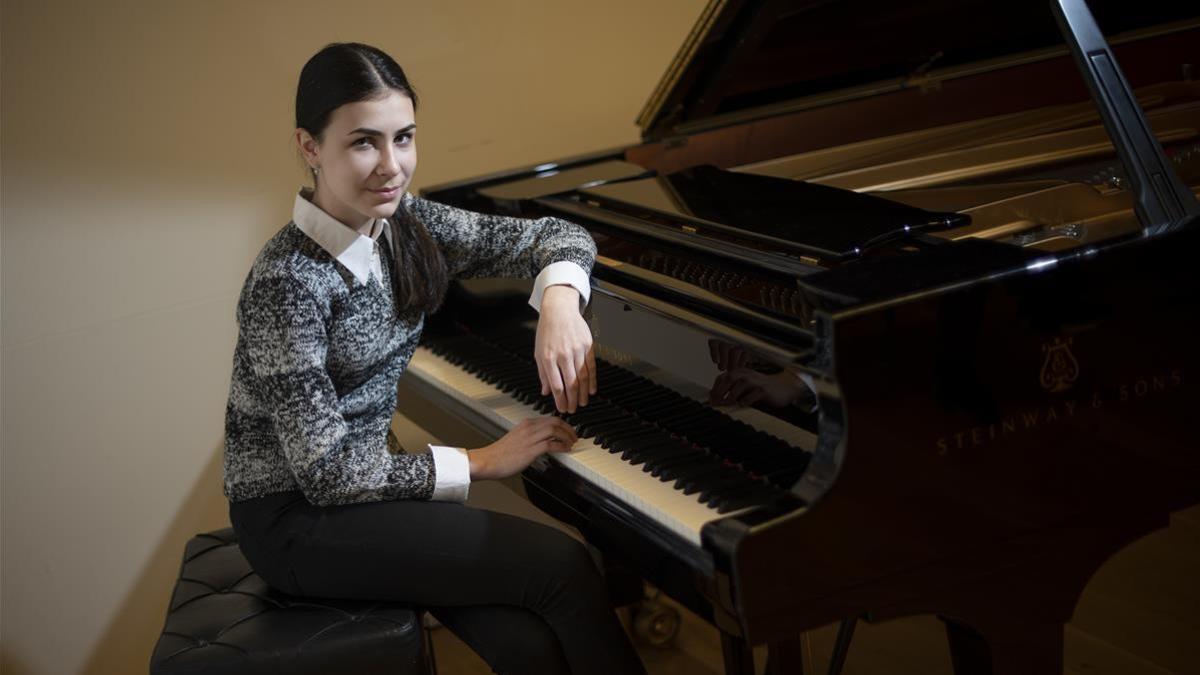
(348, 72)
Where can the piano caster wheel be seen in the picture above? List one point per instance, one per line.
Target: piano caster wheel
(655, 623)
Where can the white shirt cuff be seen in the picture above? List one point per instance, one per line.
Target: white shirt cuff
(451, 473)
(559, 273)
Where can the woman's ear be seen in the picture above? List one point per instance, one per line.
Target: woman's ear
(309, 148)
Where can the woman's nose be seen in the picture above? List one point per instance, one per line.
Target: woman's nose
(389, 163)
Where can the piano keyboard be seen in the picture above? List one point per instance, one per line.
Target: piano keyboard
(647, 465)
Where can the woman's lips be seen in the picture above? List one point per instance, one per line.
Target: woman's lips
(389, 193)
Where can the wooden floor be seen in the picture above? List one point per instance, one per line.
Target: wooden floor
(1140, 615)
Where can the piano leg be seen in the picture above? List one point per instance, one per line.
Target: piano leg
(1010, 621)
(1009, 648)
(785, 658)
(841, 646)
(968, 650)
(788, 657)
(739, 656)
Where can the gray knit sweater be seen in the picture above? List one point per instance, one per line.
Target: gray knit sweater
(319, 354)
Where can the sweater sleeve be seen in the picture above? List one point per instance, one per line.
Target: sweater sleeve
(483, 245)
(284, 332)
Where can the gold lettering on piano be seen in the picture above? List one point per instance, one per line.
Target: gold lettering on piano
(1038, 418)
(1060, 370)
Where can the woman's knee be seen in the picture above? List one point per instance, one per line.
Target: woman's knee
(570, 559)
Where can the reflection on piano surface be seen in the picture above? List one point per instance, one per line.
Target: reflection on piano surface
(878, 335)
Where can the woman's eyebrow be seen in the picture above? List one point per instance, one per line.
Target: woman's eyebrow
(374, 132)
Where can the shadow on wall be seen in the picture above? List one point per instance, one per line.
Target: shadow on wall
(126, 644)
(10, 667)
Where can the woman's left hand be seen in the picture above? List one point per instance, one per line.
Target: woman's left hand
(563, 350)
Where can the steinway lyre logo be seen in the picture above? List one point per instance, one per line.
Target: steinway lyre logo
(1060, 369)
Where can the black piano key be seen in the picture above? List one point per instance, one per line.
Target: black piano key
(591, 428)
(723, 487)
(637, 453)
(621, 387)
(696, 463)
(698, 480)
(656, 457)
(709, 463)
(642, 399)
(661, 408)
(684, 419)
(586, 416)
(616, 426)
(690, 457)
(635, 433)
(645, 444)
(602, 407)
(787, 477)
(738, 486)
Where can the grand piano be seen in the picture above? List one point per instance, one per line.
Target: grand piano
(895, 312)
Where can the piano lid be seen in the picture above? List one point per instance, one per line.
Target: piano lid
(750, 58)
(805, 218)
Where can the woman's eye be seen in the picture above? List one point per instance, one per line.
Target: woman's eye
(404, 139)
(364, 141)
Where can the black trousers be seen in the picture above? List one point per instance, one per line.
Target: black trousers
(526, 597)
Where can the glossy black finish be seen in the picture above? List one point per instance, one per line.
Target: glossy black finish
(550, 179)
(1024, 418)
(784, 214)
(755, 54)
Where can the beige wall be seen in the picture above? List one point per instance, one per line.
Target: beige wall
(146, 157)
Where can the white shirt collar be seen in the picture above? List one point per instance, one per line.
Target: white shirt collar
(348, 247)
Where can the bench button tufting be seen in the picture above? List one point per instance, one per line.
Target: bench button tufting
(278, 638)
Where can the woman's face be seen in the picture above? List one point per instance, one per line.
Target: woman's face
(366, 157)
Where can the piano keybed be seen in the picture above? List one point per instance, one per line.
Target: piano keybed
(675, 460)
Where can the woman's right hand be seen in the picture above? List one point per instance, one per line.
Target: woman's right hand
(520, 446)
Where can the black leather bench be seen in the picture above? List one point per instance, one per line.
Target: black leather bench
(224, 619)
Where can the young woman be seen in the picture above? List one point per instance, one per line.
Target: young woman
(328, 319)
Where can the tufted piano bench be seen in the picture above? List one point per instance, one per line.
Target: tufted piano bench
(224, 619)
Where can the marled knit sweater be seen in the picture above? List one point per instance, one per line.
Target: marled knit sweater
(319, 354)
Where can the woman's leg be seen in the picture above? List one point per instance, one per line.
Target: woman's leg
(446, 555)
(512, 640)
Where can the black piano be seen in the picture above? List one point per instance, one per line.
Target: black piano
(895, 312)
